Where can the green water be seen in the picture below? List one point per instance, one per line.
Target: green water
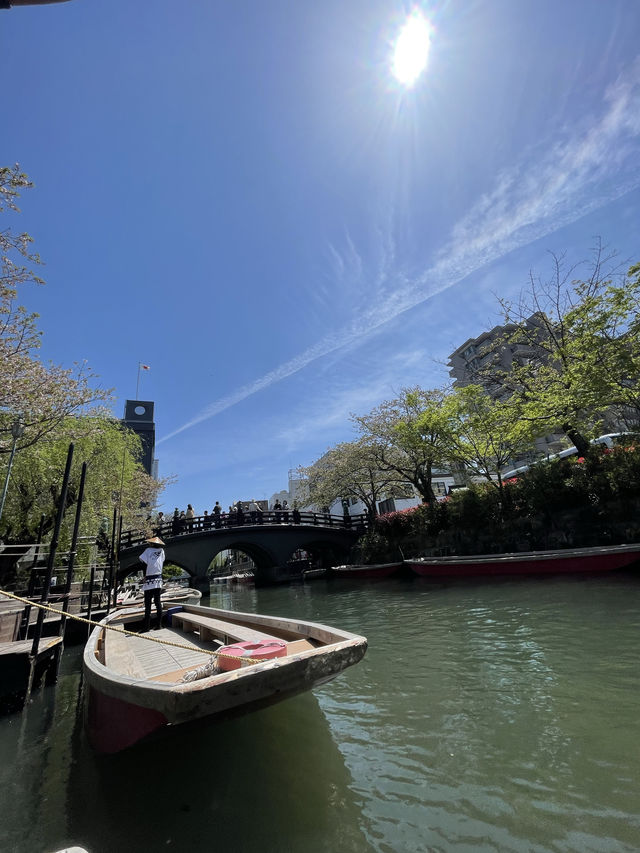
(499, 716)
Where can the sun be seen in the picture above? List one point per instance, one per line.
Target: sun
(411, 50)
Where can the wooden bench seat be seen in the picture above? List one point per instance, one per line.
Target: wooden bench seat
(230, 633)
(212, 629)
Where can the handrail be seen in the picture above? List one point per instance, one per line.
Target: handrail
(230, 521)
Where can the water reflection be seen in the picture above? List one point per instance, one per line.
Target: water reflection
(245, 784)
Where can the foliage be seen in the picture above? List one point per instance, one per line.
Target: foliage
(483, 434)
(171, 572)
(573, 501)
(350, 469)
(373, 547)
(574, 349)
(406, 435)
(114, 478)
(39, 395)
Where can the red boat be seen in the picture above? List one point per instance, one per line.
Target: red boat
(607, 558)
(376, 570)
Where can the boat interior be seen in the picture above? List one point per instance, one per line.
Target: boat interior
(189, 635)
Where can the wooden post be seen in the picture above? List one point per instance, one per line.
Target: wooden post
(112, 554)
(92, 580)
(53, 547)
(72, 552)
(117, 561)
(26, 616)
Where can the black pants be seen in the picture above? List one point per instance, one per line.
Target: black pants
(149, 596)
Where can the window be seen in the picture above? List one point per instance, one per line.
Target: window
(439, 488)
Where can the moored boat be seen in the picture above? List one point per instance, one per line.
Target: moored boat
(375, 570)
(606, 558)
(170, 597)
(138, 684)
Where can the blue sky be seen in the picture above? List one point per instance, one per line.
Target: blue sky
(241, 196)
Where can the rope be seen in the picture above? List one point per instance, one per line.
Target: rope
(132, 633)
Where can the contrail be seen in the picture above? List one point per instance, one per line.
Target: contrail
(573, 178)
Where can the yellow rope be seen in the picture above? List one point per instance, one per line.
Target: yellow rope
(131, 633)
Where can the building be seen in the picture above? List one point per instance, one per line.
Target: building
(468, 363)
(467, 366)
(138, 417)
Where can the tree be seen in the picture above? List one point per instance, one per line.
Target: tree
(171, 572)
(484, 434)
(406, 437)
(41, 396)
(114, 478)
(350, 469)
(573, 346)
(608, 320)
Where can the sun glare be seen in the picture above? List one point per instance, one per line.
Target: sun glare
(412, 49)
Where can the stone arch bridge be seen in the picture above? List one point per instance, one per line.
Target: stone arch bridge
(269, 540)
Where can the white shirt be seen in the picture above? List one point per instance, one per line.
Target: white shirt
(154, 559)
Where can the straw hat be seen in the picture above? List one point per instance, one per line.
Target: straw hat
(155, 540)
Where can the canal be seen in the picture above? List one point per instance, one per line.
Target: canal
(496, 716)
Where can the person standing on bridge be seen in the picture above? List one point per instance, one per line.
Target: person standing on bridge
(153, 558)
(216, 513)
(253, 510)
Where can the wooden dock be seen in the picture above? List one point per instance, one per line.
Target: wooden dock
(21, 671)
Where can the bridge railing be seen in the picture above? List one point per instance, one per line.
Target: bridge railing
(231, 521)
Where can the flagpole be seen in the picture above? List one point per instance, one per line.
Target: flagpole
(138, 381)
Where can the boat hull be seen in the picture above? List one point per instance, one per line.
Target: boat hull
(569, 561)
(379, 570)
(122, 710)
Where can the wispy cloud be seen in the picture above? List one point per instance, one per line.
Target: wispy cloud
(320, 416)
(588, 168)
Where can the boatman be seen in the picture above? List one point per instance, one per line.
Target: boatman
(153, 557)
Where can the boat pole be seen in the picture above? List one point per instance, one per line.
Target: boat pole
(112, 552)
(72, 552)
(24, 628)
(92, 580)
(117, 559)
(53, 547)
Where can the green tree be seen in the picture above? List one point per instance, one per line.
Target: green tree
(115, 478)
(406, 437)
(607, 320)
(484, 434)
(171, 572)
(350, 469)
(574, 349)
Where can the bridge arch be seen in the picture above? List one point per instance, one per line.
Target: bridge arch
(263, 558)
(269, 544)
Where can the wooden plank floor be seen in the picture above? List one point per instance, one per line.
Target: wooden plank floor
(157, 660)
(23, 647)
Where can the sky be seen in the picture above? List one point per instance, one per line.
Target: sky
(242, 196)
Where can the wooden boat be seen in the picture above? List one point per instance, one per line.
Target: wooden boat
(243, 577)
(568, 560)
(136, 687)
(170, 597)
(376, 570)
